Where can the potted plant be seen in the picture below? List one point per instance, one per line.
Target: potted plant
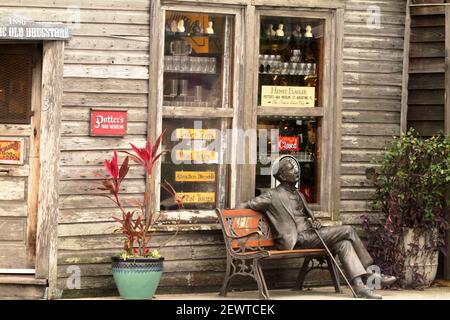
(137, 270)
(411, 181)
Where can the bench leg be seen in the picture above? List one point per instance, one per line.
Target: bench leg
(302, 274)
(226, 281)
(334, 275)
(262, 287)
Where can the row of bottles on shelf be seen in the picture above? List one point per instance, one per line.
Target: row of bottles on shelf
(189, 64)
(273, 64)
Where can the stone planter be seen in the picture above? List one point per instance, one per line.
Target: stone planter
(137, 278)
(421, 260)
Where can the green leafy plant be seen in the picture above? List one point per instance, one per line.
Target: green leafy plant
(136, 225)
(411, 180)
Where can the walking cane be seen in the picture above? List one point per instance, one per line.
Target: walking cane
(334, 261)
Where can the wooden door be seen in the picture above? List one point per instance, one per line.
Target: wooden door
(20, 81)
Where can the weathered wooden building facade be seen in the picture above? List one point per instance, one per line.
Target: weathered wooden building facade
(122, 55)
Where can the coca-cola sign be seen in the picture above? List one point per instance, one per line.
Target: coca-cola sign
(108, 122)
(286, 143)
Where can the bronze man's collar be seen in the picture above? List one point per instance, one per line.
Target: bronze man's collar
(290, 188)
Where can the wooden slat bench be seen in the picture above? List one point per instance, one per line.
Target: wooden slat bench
(249, 240)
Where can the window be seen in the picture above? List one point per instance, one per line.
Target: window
(215, 78)
(191, 167)
(15, 88)
(290, 62)
(197, 106)
(296, 137)
(294, 102)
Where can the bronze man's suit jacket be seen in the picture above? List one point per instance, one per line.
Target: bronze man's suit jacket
(287, 216)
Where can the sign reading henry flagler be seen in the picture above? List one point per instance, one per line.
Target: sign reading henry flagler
(279, 96)
(23, 28)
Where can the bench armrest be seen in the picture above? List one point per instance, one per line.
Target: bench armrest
(259, 233)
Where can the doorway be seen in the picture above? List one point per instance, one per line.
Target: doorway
(20, 100)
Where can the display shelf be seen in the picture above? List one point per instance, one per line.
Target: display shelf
(189, 34)
(285, 74)
(190, 104)
(277, 38)
(188, 72)
(190, 65)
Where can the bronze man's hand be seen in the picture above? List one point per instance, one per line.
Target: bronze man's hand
(316, 224)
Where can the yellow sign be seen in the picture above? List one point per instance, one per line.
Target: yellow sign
(195, 176)
(196, 155)
(278, 96)
(196, 134)
(198, 197)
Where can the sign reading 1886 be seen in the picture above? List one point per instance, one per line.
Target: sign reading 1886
(23, 28)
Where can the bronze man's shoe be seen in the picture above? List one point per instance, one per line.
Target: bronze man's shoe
(385, 280)
(364, 292)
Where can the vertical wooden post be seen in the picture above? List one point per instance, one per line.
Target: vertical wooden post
(154, 120)
(34, 158)
(246, 183)
(447, 71)
(334, 206)
(405, 76)
(52, 89)
(447, 123)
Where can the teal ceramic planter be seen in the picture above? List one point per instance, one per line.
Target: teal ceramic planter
(137, 278)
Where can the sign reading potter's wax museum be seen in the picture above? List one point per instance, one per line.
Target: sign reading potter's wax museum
(108, 122)
(23, 28)
(279, 96)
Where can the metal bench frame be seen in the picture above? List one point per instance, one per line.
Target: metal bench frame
(249, 240)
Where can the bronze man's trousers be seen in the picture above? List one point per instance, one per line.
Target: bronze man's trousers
(344, 242)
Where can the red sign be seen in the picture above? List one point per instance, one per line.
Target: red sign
(108, 122)
(288, 143)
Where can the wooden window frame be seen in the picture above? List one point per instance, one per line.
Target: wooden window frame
(229, 112)
(245, 112)
(327, 112)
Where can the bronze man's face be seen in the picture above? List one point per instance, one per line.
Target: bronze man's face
(290, 172)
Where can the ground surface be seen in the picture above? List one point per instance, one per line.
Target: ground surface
(322, 293)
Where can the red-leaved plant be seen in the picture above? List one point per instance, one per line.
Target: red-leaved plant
(136, 224)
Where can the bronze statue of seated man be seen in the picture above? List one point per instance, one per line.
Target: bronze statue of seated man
(288, 212)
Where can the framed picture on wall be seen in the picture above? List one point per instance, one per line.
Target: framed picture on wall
(12, 150)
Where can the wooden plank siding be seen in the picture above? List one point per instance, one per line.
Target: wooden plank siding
(372, 91)
(426, 89)
(106, 64)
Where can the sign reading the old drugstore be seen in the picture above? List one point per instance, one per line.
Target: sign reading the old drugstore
(23, 28)
(11, 151)
(279, 96)
(108, 122)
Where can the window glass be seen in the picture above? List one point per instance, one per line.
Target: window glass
(15, 88)
(290, 62)
(296, 137)
(196, 59)
(191, 163)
